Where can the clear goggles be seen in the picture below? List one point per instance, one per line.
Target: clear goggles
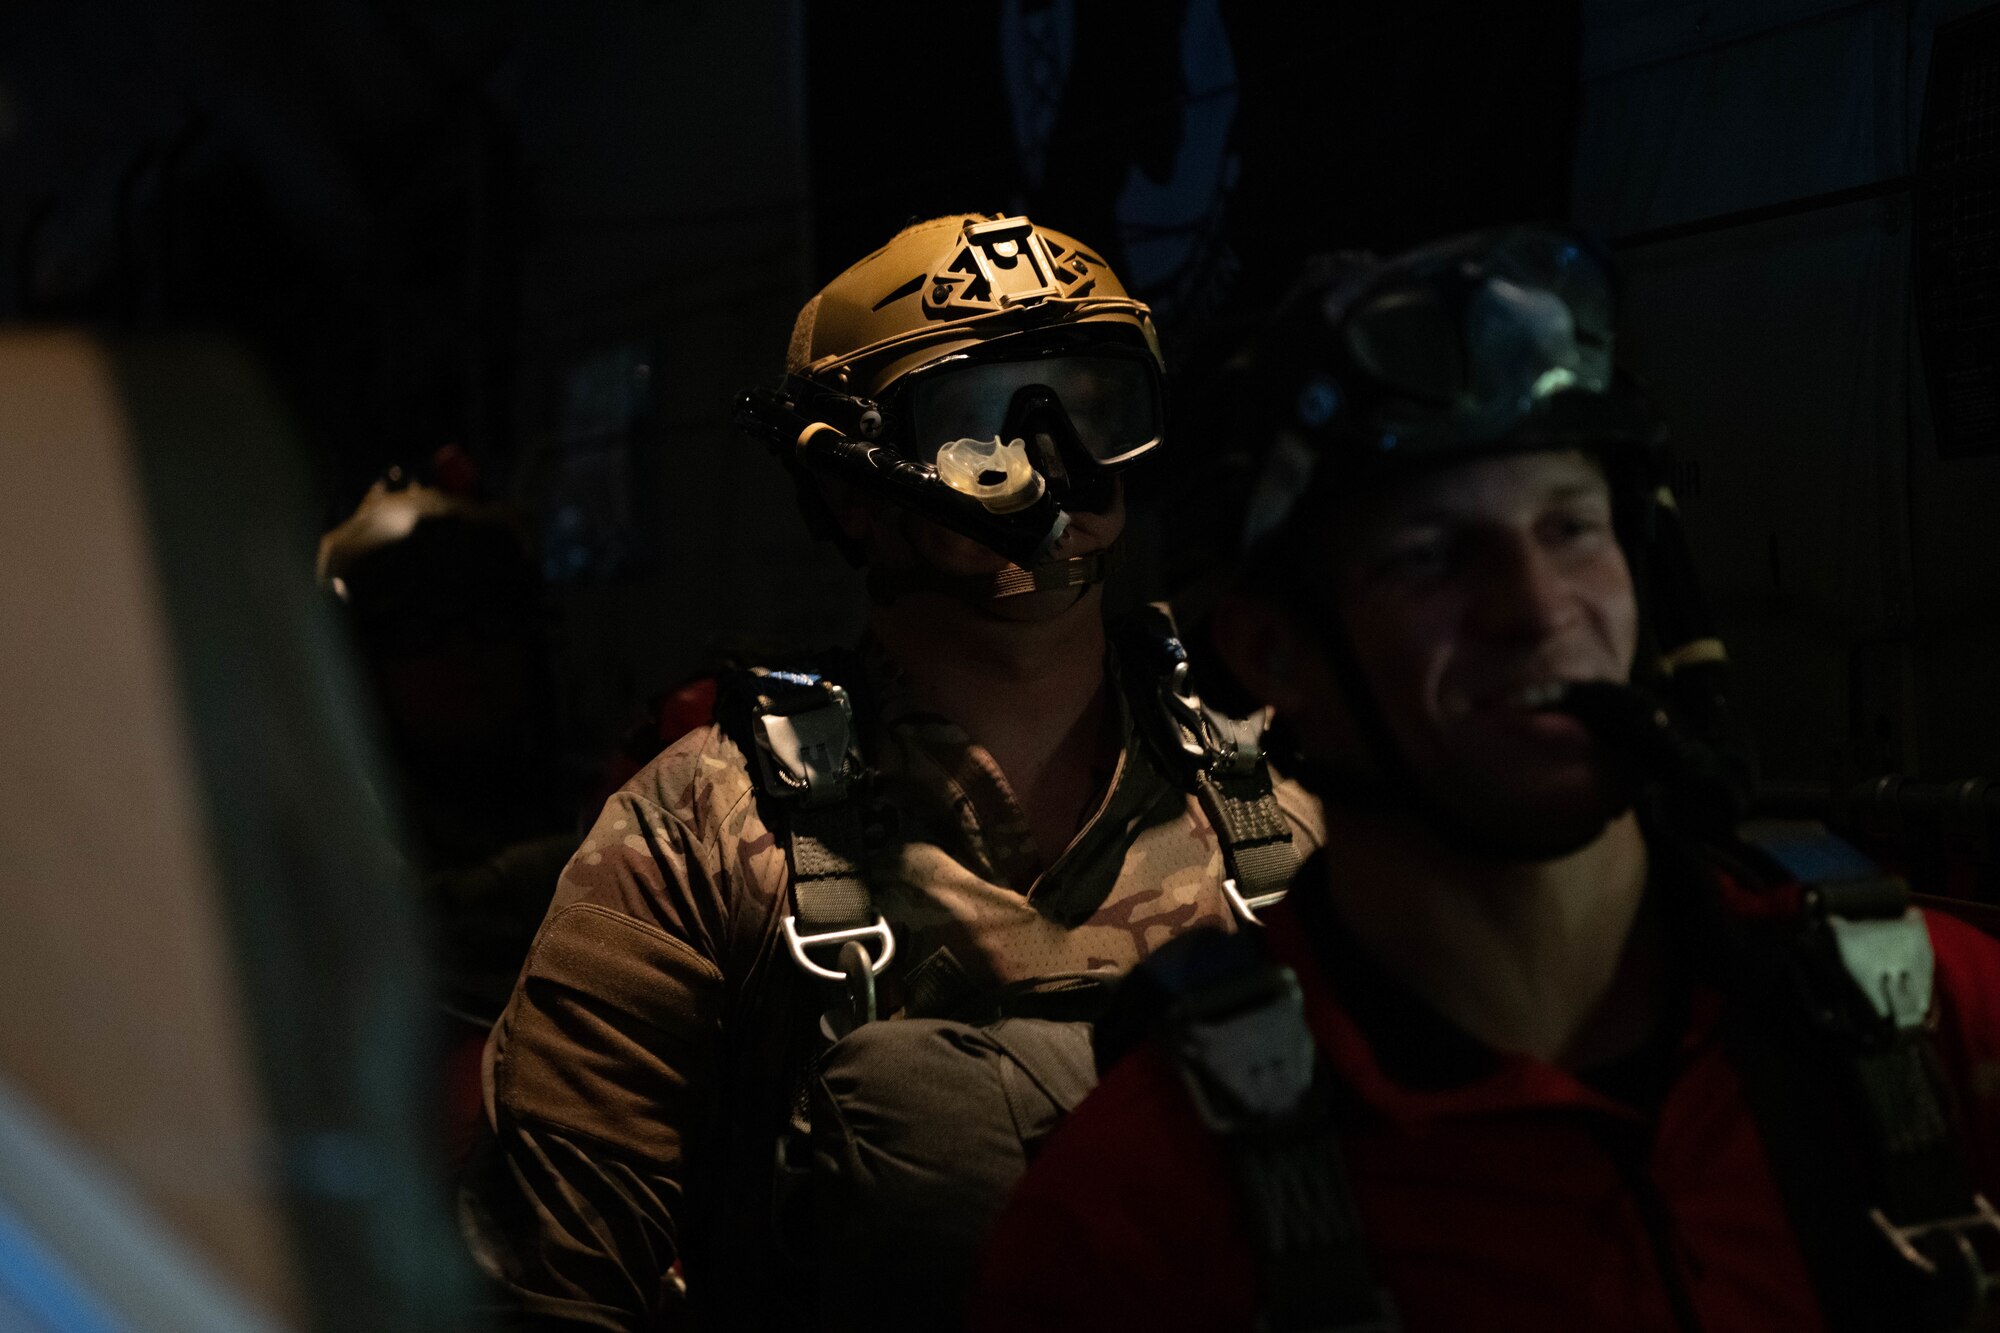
(1109, 394)
(1474, 348)
(1483, 344)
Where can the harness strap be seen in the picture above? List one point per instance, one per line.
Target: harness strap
(1884, 1207)
(1234, 1027)
(1222, 758)
(1076, 571)
(1257, 850)
(808, 764)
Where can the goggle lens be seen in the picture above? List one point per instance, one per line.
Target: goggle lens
(1112, 402)
(1476, 359)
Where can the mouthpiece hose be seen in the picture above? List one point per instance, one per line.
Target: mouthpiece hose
(1025, 535)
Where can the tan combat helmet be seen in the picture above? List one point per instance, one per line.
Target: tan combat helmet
(984, 372)
(979, 371)
(950, 284)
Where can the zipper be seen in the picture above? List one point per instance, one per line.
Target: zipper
(1085, 829)
(1658, 1222)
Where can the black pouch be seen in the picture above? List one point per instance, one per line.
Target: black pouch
(920, 1129)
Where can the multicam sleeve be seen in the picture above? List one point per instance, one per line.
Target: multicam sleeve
(602, 1074)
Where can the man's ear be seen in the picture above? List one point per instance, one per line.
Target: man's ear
(1259, 643)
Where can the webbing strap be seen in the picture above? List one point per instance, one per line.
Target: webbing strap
(1921, 1176)
(1220, 758)
(1077, 571)
(827, 885)
(809, 767)
(1234, 1026)
(1313, 1260)
(1257, 848)
(1811, 1102)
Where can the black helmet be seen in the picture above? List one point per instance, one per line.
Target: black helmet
(1491, 343)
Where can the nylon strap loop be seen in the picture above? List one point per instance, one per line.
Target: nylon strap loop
(827, 883)
(1257, 850)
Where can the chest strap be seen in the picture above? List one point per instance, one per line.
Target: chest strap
(808, 764)
(1232, 1022)
(1888, 1216)
(1222, 759)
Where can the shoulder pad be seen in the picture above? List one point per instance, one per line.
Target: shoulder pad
(1880, 938)
(798, 727)
(1143, 996)
(1231, 1019)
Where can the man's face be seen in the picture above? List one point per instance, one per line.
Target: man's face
(1468, 595)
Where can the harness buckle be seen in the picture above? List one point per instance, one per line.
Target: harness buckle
(1238, 741)
(798, 944)
(804, 755)
(1245, 1051)
(1923, 1244)
(859, 970)
(1215, 741)
(1891, 963)
(1247, 908)
(1183, 708)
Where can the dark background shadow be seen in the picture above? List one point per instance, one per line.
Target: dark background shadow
(561, 237)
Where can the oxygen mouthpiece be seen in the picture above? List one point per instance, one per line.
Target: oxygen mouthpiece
(997, 500)
(997, 475)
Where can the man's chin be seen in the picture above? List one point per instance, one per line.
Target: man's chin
(968, 607)
(1526, 824)
(1526, 842)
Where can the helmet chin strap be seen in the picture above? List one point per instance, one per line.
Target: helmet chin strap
(1077, 571)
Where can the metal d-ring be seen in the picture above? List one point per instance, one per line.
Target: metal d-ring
(798, 944)
(1247, 908)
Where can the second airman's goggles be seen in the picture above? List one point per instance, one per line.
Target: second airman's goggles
(1485, 344)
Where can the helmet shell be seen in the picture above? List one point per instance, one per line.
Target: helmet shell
(949, 284)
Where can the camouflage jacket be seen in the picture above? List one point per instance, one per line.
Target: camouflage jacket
(646, 1063)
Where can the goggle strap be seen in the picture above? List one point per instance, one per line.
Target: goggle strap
(1074, 310)
(1078, 571)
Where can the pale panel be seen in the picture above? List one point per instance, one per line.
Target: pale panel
(121, 1012)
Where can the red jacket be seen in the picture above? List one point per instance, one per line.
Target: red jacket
(1508, 1202)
